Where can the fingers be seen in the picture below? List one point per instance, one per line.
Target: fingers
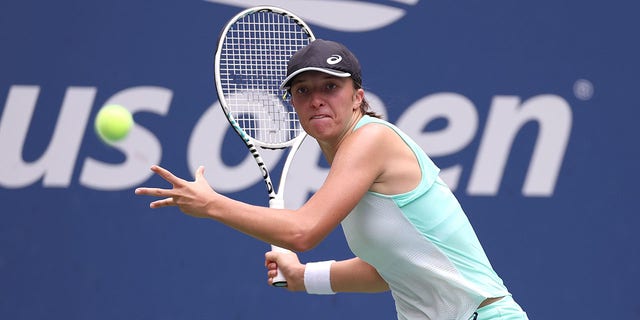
(166, 174)
(269, 256)
(200, 173)
(270, 261)
(272, 271)
(272, 266)
(156, 192)
(172, 196)
(167, 202)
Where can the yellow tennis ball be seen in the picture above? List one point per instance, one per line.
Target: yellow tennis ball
(113, 123)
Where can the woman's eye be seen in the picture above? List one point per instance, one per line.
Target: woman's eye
(331, 86)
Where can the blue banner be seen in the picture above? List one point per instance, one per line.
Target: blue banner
(527, 107)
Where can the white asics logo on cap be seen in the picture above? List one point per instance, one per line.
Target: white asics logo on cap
(334, 59)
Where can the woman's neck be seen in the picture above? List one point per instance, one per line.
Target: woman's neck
(330, 148)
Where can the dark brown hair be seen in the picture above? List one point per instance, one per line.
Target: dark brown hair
(365, 108)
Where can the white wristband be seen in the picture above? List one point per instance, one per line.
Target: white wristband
(317, 277)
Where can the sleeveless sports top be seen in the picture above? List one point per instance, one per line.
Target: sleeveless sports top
(422, 244)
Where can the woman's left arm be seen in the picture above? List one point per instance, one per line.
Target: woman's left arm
(354, 169)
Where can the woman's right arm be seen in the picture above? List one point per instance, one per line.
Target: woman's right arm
(352, 275)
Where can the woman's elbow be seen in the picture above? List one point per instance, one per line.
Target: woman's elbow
(305, 239)
(306, 235)
(303, 242)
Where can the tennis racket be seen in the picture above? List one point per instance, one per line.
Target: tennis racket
(250, 63)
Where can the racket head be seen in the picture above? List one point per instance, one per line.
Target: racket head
(250, 63)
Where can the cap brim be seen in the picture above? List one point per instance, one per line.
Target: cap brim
(335, 73)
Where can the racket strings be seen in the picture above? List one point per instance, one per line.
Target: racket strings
(253, 62)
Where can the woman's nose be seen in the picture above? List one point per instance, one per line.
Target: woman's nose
(316, 99)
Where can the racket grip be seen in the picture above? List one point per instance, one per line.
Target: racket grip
(279, 281)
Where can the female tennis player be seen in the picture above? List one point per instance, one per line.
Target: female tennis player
(406, 228)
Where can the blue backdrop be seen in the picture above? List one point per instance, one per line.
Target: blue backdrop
(528, 107)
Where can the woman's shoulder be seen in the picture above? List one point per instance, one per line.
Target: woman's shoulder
(367, 119)
(374, 130)
(376, 138)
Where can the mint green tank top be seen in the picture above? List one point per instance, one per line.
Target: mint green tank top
(422, 244)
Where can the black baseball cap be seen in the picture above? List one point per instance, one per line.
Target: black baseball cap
(325, 56)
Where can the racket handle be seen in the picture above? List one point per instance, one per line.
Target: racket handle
(279, 281)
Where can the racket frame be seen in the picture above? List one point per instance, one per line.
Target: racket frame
(276, 197)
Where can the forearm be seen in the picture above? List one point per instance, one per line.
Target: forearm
(298, 230)
(275, 226)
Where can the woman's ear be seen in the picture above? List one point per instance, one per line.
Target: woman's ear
(358, 97)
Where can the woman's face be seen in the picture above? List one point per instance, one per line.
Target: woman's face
(325, 104)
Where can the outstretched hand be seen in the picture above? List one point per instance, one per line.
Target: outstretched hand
(191, 197)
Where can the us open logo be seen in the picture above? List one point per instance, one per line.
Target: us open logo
(322, 13)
